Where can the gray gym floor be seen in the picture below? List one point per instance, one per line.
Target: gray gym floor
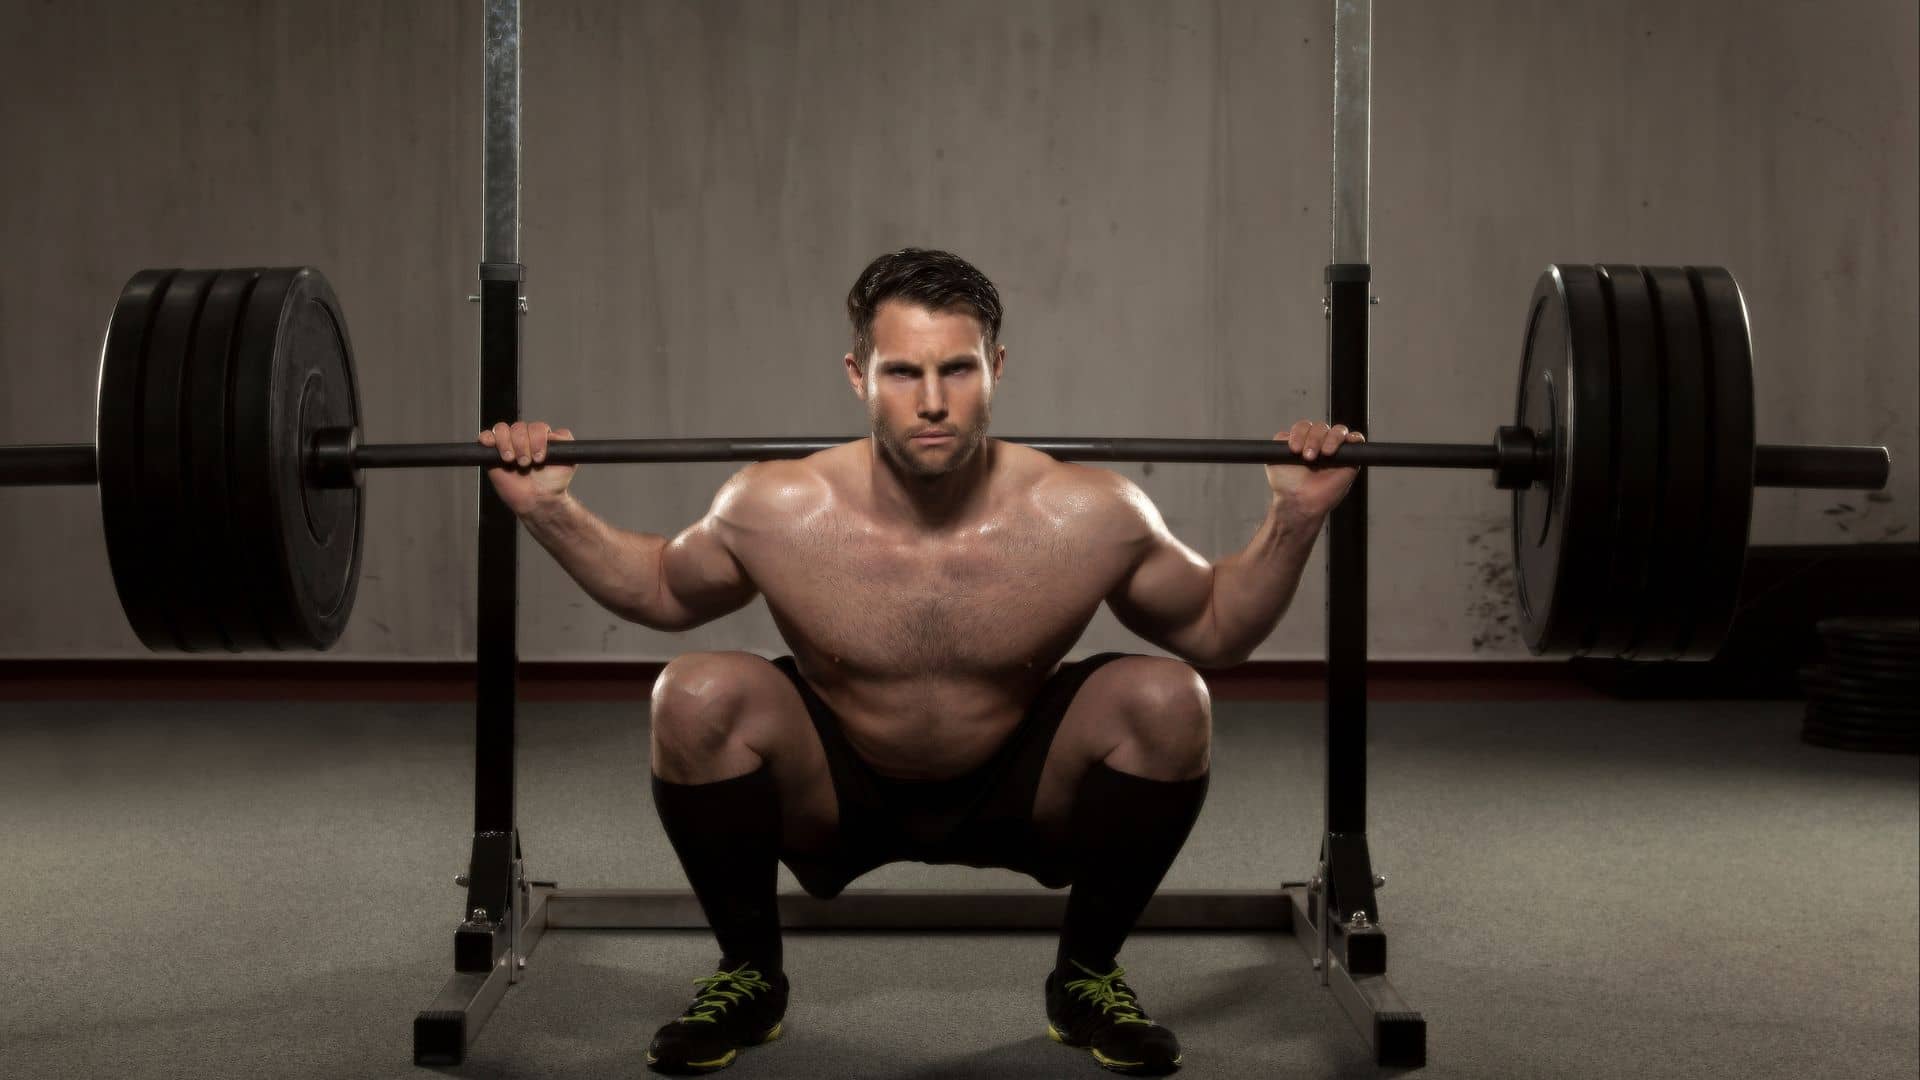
(1578, 889)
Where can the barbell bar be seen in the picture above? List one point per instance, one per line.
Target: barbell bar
(335, 456)
(228, 458)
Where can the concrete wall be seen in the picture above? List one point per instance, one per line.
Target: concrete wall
(1147, 183)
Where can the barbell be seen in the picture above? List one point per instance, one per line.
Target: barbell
(229, 464)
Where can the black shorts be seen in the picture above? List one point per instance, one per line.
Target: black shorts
(983, 819)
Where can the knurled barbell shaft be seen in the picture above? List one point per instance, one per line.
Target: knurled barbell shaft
(1512, 456)
(1837, 467)
(1172, 451)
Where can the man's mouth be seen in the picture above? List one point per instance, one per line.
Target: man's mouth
(933, 436)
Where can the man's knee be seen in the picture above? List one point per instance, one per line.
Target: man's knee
(1164, 708)
(699, 700)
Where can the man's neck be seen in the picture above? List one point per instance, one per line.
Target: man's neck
(930, 503)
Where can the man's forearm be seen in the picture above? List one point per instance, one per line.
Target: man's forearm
(1253, 587)
(618, 568)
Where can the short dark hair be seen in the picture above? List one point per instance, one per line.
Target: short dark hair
(933, 279)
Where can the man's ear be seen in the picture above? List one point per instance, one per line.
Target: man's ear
(855, 376)
(999, 361)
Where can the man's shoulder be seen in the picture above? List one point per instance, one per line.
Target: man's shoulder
(1088, 493)
(776, 490)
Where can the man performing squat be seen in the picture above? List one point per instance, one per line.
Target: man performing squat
(929, 580)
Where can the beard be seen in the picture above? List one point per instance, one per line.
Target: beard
(931, 464)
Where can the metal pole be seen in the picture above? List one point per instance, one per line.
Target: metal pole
(496, 650)
(1352, 127)
(500, 195)
(1343, 845)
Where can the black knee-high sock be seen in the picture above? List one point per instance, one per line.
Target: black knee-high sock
(727, 834)
(1122, 834)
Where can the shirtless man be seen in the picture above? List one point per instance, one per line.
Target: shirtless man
(929, 581)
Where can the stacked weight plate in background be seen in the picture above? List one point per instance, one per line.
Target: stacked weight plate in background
(1866, 694)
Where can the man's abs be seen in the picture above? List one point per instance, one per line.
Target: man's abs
(926, 728)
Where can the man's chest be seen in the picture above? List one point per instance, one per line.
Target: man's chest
(981, 600)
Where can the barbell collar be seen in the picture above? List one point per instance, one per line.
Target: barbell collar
(1520, 458)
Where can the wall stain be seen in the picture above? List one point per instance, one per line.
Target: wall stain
(1490, 562)
(1867, 523)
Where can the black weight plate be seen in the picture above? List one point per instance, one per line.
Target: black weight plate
(1683, 476)
(1883, 629)
(166, 425)
(1855, 731)
(1875, 646)
(1884, 744)
(1863, 717)
(295, 375)
(1904, 683)
(1823, 694)
(1730, 473)
(1876, 673)
(1872, 654)
(138, 576)
(236, 626)
(254, 534)
(1881, 736)
(1871, 651)
(1637, 420)
(1870, 664)
(1863, 714)
(1560, 525)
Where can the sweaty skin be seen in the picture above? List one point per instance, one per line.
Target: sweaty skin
(928, 586)
(929, 644)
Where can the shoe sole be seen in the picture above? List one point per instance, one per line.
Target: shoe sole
(1130, 1068)
(700, 1068)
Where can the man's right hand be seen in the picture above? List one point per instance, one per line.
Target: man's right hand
(523, 480)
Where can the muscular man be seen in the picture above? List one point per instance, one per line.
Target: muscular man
(929, 580)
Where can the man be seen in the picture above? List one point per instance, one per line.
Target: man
(929, 580)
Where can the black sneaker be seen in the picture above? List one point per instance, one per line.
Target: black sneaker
(735, 1008)
(1100, 1014)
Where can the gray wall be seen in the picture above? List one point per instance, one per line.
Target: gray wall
(1148, 184)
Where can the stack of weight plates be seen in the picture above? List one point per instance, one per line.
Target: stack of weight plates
(1866, 695)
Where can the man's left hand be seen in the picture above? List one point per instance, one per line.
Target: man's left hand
(1311, 494)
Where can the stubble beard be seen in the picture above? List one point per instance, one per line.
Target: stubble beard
(900, 451)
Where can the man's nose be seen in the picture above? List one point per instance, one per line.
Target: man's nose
(933, 399)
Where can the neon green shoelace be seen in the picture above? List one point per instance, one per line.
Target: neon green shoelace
(1114, 997)
(723, 989)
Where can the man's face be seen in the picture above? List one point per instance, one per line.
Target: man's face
(928, 386)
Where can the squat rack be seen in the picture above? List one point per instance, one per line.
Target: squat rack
(1334, 916)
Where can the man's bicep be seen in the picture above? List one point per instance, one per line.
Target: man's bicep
(700, 577)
